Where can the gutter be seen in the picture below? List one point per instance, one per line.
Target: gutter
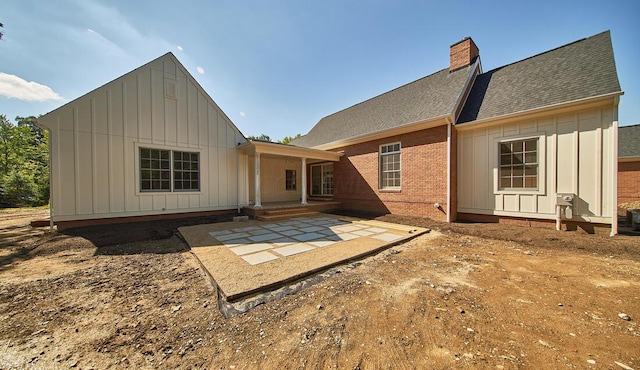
(491, 121)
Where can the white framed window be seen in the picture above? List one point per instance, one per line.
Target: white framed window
(519, 164)
(390, 166)
(164, 170)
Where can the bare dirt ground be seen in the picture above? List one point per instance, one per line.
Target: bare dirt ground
(481, 296)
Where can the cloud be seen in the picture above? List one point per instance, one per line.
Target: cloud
(13, 86)
(200, 70)
(242, 114)
(179, 47)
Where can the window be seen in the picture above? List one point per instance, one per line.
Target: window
(519, 164)
(290, 179)
(390, 166)
(160, 169)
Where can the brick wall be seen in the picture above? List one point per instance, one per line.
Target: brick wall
(423, 177)
(461, 54)
(628, 182)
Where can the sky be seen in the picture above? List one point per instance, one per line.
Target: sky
(278, 67)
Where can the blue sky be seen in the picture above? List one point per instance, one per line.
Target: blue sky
(277, 67)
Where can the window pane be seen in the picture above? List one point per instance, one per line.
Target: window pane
(505, 148)
(517, 146)
(517, 182)
(505, 182)
(505, 171)
(505, 159)
(531, 145)
(531, 170)
(517, 158)
(518, 170)
(531, 181)
(531, 157)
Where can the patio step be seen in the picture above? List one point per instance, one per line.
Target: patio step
(281, 214)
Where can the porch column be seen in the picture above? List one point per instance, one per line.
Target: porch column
(304, 181)
(256, 172)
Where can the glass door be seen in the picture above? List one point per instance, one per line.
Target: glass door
(322, 179)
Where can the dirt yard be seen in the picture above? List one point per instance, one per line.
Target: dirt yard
(480, 296)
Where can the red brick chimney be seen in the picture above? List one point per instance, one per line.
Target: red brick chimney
(462, 53)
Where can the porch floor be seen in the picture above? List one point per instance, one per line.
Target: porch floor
(251, 257)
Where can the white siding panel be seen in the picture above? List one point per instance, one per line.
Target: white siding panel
(222, 131)
(132, 201)
(159, 202)
(204, 177)
(231, 142)
(511, 202)
(192, 106)
(213, 125)
(66, 120)
(130, 103)
(100, 113)
(466, 179)
(480, 170)
(101, 191)
(144, 105)
(172, 201)
(232, 159)
(566, 158)
(183, 201)
(527, 203)
(222, 178)
(183, 115)
(171, 120)
(84, 174)
(116, 177)
(169, 68)
(213, 175)
(194, 201)
(116, 110)
(146, 202)
(589, 183)
(157, 105)
(608, 157)
(66, 186)
(83, 115)
(203, 120)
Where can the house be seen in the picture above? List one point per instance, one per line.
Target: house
(629, 164)
(151, 142)
(533, 141)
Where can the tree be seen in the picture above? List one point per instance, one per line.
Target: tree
(288, 139)
(262, 137)
(24, 163)
(1, 34)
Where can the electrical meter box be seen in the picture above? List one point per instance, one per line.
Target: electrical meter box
(565, 199)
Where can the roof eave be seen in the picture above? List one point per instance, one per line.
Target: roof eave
(411, 127)
(261, 147)
(557, 108)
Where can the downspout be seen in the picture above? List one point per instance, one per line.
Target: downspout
(448, 119)
(614, 185)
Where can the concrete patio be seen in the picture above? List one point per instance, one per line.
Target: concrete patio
(250, 257)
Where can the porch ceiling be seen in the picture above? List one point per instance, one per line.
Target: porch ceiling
(261, 147)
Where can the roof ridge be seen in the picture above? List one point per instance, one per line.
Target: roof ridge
(386, 92)
(548, 51)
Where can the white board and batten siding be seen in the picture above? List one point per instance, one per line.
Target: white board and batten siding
(575, 154)
(95, 143)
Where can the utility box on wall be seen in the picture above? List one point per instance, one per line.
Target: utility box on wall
(566, 201)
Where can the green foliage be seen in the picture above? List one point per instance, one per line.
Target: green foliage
(262, 137)
(288, 139)
(24, 163)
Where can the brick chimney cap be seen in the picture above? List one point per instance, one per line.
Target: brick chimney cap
(463, 40)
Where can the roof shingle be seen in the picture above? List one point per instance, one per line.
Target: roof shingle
(429, 97)
(629, 141)
(582, 69)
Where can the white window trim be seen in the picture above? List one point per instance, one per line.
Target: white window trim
(380, 184)
(170, 148)
(542, 164)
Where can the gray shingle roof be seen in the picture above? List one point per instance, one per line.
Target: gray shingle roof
(429, 97)
(582, 69)
(629, 141)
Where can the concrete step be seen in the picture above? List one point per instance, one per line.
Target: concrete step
(285, 216)
(283, 211)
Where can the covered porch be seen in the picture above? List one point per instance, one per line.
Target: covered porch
(278, 180)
